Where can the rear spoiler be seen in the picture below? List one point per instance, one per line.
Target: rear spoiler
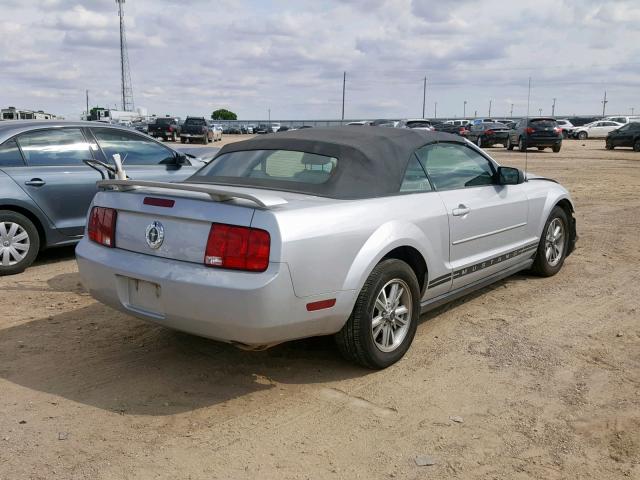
(217, 193)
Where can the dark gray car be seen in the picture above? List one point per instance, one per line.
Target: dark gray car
(46, 188)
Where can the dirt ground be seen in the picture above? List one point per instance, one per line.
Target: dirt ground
(529, 378)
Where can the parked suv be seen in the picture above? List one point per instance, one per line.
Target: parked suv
(46, 188)
(535, 132)
(626, 136)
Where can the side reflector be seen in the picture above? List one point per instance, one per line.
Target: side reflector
(159, 202)
(320, 305)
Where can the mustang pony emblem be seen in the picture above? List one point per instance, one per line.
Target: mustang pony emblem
(155, 234)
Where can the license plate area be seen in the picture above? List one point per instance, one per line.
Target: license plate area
(142, 296)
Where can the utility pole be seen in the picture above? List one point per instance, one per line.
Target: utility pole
(435, 110)
(464, 109)
(489, 108)
(604, 103)
(553, 108)
(511, 110)
(475, 113)
(631, 110)
(269, 116)
(424, 96)
(540, 110)
(87, 93)
(344, 84)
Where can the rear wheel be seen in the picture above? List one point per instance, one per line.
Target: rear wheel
(636, 146)
(384, 318)
(582, 135)
(19, 242)
(554, 244)
(556, 148)
(183, 140)
(608, 145)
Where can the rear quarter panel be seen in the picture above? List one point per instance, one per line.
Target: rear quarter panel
(334, 247)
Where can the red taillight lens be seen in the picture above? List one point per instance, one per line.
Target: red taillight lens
(489, 132)
(102, 226)
(558, 130)
(171, 128)
(237, 248)
(529, 130)
(159, 202)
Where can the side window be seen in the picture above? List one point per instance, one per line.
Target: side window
(452, 166)
(10, 155)
(415, 180)
(54, 147)
(134, 149)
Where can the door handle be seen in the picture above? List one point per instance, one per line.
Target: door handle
(35, 182)
(461, 211)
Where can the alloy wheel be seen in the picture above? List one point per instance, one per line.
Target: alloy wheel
(14, 243)
(391, 315)
(554, 242)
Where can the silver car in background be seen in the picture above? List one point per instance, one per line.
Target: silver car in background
(346, 231)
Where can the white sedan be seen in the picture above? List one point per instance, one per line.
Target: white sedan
(599, 129)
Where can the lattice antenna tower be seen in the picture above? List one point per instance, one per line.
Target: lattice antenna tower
(125, 72)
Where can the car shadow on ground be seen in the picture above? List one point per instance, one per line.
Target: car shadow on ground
(99, 357)
(54, 255)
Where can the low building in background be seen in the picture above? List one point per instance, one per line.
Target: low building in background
(13, 113)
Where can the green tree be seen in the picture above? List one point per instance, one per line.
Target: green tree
(223, 114)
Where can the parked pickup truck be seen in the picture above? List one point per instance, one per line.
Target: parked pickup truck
(196, 128)
(167, 128)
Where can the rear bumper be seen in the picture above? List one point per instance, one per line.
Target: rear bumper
(248, 308)
(543, 141)
(193, 135)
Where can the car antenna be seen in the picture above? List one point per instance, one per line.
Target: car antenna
(526, 153)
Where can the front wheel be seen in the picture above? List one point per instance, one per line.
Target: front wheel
(385, 317)
(636, 146)
(554, 244)
(19, 242)
(521, 145)
(608, 145)
(509, 144)
(582, 136)
(556, 148)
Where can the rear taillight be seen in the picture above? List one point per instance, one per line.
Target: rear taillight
(529, 130)
(102, 226)
(171, 128)
(489, 132)
(237, 248)
(558, 130)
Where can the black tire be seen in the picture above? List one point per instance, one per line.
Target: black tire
(509, 144)
(183, 140)
(636, 146)
(542, 266)
(582, 136)
(521, 145)
(608, 145)
(205, 139)
(556, 148)
(355, 341)
(33, 238)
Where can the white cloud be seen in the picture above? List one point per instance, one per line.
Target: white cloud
(193, 56)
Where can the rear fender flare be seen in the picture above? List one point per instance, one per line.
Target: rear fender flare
(387, 237)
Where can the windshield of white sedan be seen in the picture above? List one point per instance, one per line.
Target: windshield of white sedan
(276, 165)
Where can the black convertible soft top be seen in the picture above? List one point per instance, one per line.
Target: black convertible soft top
(371, 160)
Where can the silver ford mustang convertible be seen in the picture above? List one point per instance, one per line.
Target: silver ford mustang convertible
(351, 231)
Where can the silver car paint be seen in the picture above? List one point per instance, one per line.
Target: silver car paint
(321, 248)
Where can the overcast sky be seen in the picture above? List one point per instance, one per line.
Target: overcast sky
(194, 56)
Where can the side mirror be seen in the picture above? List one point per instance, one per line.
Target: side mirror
(181, 159)
(510, 176)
